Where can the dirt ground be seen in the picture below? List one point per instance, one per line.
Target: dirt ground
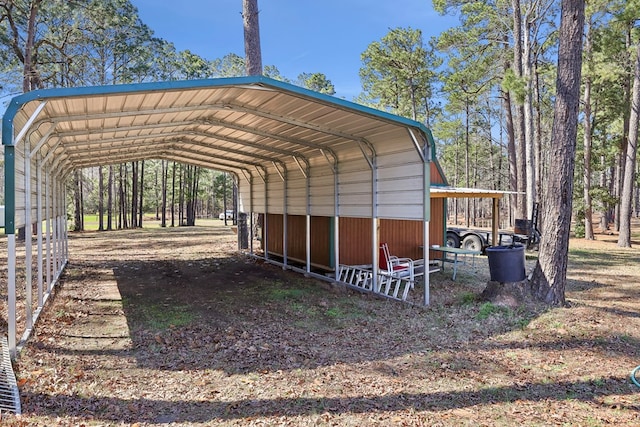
(173, 327)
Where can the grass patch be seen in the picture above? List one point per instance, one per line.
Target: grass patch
(467, 298)
(488, 309)
(344, 312)
(280, 294)
(160, 317)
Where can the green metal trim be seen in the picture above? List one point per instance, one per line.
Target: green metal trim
(251, 81)
(9, 189)
(434, 157)
(259, 81)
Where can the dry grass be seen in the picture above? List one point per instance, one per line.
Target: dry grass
(171, 327)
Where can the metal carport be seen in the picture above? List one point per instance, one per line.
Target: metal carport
(291, 150)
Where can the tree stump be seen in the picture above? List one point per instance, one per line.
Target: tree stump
(509, 294)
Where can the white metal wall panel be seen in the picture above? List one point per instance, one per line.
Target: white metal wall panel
(34, 190)
(19, 188)
(258, 194)
(244, 196)
(276, 192)
(400, 182)
(354, 188)
(296, 192)
(322, 191)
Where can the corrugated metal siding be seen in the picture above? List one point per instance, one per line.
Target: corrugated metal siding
(276, 192)
(296, 232)
(296, 229)
(19, 188)
(274, 229)
(322, 189)
(258, 195)
(354, 188)
(436, 177)
(296, 193)
(321, 239)
(355, 241)
(437, 223)
(404, 238)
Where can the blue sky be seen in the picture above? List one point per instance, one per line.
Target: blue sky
(297, 36)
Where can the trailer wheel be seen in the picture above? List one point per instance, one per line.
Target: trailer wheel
(453, 240)
(472, 242)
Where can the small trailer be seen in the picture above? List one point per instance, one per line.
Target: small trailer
(475, 239)
(479, 240)
(525, 231)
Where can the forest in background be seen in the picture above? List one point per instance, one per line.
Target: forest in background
(486, 88)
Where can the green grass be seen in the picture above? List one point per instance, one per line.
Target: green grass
(280, 294)
(488, 309)
(160, 317)
(467, 298)
(148, 221)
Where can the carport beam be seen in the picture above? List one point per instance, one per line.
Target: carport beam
(47, 203)
(11, 291)
(28, 233)
(39, 231)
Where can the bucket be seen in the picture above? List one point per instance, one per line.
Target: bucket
(506, 263)
(522, 226)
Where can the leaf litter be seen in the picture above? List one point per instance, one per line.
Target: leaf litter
(174, 327)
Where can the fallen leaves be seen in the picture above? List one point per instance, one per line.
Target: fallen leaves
(276, 349)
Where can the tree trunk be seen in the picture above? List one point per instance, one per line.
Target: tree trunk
(77, 219)
(519, 128)
(141, 194)
(586, 178)
(110, 200)
(134, 194)
(605, 219)
(235, 199)
(192, 194)
(165, 178)
(30, 78)
(224, 197)
(253, 54)
(538, 131)
(511, 142)
(620, 160)
(467, 166)
(123, 197)
(530, 164)
(626, 200)
(173, 195)
(157, 188)
(181, 196)
(100, 199)
(550, 274)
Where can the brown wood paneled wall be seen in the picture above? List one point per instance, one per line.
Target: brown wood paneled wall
(296, 241)
(404, 237)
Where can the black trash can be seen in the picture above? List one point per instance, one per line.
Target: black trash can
(506, 263)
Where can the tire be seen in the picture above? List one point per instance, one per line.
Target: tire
(453, 241)
(472, 242)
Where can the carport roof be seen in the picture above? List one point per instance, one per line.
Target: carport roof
(445, 191)
(230, 124)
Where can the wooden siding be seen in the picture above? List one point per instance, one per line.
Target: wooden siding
(403, 236)
(355, 240)
(296, 242)
(436, 177)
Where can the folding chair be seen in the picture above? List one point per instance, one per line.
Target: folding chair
(394, 266)
(396, 274)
